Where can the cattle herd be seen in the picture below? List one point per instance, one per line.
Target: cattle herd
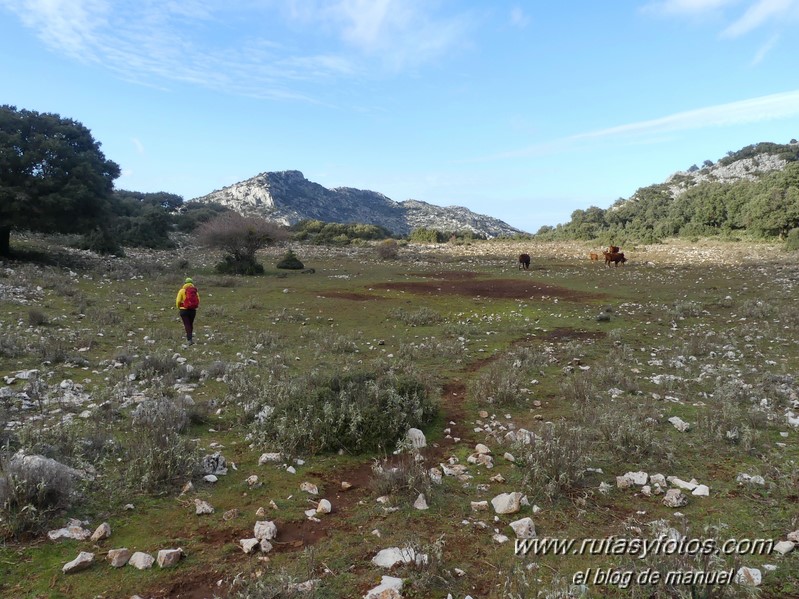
(612, 254)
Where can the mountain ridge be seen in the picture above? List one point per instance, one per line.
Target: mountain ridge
(288, 197)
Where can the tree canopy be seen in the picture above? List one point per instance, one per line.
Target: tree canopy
(53, 175)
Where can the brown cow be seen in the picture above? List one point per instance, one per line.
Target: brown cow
(614, 257)
(524, 261)
(593, 256)
(613, 249)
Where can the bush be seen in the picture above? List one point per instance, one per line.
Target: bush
(290, 262)
(388, 249)
(556, 460)
(421, 317)
(246, 266)
(32, 490)
(354, 412)
(500, 384)
(158, 457)
(792, 240)
(37, 318)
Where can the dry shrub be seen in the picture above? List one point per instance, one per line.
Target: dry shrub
(556, 459)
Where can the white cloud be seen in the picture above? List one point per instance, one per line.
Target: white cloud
(266, 48)
(763, 108)
(138, 145)
(688, 7)
(764, 50)
(758, 14)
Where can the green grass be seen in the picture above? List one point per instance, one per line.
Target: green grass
(554, 359)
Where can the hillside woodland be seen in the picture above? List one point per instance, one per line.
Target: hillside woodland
(754, 192)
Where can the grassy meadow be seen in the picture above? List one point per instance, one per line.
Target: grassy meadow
(331, 365)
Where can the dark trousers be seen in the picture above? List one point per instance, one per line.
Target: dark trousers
(187, 316)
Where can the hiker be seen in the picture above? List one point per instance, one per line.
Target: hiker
(187, 301)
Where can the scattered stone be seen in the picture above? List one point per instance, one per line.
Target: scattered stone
(202, 507)
(387, 558)
(249, 545)
(309, 488)
(416, 438)
(210, 478)
(509, 456)
(83, 561)
(267, 458)
(169, 557)
(253, 482)
(215, 463)
(500, 538)
(265, 530)
(421, 502)
(187, 488)
(748, 576)
(129, 507)
(752, 480)
(524, 528)
(118, 557)
(482, 449)
(793, 536)
(675, 498)
(784, 547)
(678, 482)
(345, 486)
(73, 530)
(141, 560)
(507, 503)
(479, 506)
(102, 532)
(324, 507)
(680, 424)
(390, 587)
(498, 478)
(701, 491)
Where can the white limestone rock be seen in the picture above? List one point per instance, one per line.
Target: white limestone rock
(421, 502)
(748, 576)
(118, 557)
(675, 498)
(141, 560)
(416, 438)
(202, 507)
(524, 528)
(390, 587)
(507, 503)
(324, 507)
(680, 424)
(265, 530)
(169, 557)
(83, 561)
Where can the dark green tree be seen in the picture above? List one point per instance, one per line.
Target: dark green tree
(53, 176)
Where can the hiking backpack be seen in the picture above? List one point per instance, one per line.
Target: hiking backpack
(191, 301)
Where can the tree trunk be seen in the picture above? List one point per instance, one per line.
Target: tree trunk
(5, 241)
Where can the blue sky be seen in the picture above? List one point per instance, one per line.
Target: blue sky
(524, 111)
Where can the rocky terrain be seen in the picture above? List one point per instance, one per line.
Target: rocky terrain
(288, 197)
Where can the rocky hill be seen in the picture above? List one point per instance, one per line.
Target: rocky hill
(288, 197)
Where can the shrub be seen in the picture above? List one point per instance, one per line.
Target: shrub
(290, 261)
(404, 477)
(417, 318)
(354, 412)
(158, 457)
(388, 249)
(792, 240)
(32, 490)
(239, 266)
(556, 460)
(499, 384)
(37, 318)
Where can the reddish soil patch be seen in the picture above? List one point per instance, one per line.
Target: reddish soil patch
(494, 288)
(356, 297)
(449, 275)
(567, 334)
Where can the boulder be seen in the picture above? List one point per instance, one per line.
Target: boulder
(324, 507)
(118, 557)
(73, 530)
(248, 545)
(102, 532)
(83, 561)
(141, 560)
(265, 530)
(507, 503)
(675, 498)
(390, 587)
(214, 463)
(680, 424)
(421, 502)
(169, 557)
(416, 438)
(202, 507)
(524, 528)
(387, 558)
